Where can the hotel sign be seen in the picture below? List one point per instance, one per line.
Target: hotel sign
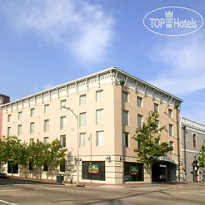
(167, 159)
(93, 169)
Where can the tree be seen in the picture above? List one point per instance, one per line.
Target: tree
(13, 151)
(148, 138)
(201, 158)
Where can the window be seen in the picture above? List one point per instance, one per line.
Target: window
(8, 131)
(31, 141)
(63, 123)
(32, 110)
(170, 113)
(139, 101)
(171, 145)
(125, 97)
(156, 107)
(45, 167)
(125, 139)
(63, 141)
(139, 144)
(9, 118)
(139, 121)
(30, 166)
(46, 108)
(62, 166)
(170, 130)
(62, 104)
(99, 116)
(125, 117)
(31, 127)
(46, 125)
(99, 95)
(19, 115)
(46, 140)
(82, 99)
(100, 135)
(157, 125)
(82, 119)
(19, 130)
(194, 140)
(82, 139)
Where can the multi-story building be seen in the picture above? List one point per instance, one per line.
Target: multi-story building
(192, 138)
(104, 111)
(3, 99)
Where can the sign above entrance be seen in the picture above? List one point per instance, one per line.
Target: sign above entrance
(167, 159)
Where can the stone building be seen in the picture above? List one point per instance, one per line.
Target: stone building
(103, 111)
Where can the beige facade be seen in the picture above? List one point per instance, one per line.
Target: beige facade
(98, 101)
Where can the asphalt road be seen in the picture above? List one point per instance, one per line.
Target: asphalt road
(45, 194)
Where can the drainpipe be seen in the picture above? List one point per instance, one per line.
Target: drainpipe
(122, 82)
(184, 127)
(178, 142)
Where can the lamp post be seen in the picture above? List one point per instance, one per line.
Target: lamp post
(77, 160)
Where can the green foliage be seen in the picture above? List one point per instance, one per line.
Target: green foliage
(148, 136)
(38, 153)
(201, 158)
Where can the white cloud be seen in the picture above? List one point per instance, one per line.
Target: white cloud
(85, 30)
(184, 60)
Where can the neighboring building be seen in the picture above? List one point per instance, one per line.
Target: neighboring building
(3, 99)
(192, 138)
(110, 105)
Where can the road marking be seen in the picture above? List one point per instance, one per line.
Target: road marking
(10, 189)
(6, 202)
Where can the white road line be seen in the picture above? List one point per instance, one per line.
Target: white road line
(6, 202)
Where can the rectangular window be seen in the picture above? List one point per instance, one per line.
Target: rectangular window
(171, 145)
(31, 141)
(8, 131)
(46, 125)
(9, 118)
(139, 101)
(194, 140)
(99, 95)
(157, 125)
(125, 117)
(45, 167)
(139, 121)
(62, 104)
(62, 166)
(63, 141)
(46, 140)
(125, 139)
(99, 116)
(19, 130)
(82, 139)
(63, 123)
(125, 97)
(83, 119)
(46, 109)
(31, 127)
(32, 110)
(30, 166)
(82, 99)
(100, 137)
(170, 130)
(156, 107)
(170, 113)
(19, 115)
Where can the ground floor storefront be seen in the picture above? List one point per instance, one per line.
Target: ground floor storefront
(101, 169)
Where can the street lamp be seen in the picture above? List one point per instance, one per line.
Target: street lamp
(77, 160)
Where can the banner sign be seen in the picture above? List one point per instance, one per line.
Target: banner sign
(93, 169)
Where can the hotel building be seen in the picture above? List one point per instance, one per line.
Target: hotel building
(103, 111)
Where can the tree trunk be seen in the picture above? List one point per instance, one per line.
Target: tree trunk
(151, 174)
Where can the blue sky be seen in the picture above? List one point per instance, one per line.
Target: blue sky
(44, 43)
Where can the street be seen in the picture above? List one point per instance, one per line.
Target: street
(17, 193)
